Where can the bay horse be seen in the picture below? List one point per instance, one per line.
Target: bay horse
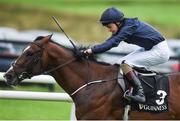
(92, 85)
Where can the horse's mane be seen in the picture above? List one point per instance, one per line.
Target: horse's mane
(77, 53)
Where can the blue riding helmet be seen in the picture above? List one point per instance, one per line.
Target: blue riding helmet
(111, 15)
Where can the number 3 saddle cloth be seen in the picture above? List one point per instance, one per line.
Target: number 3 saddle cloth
(156, 89)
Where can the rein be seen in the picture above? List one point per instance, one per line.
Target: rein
(27, 74)
(60, 66)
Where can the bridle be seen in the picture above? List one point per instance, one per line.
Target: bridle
(37, 58)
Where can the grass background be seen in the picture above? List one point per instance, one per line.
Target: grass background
(79, 19)
(34, 110)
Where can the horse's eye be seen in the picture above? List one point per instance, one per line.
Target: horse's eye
(29, 53)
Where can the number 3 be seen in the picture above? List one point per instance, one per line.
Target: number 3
(161, 100)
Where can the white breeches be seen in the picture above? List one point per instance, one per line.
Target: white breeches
(147, 58)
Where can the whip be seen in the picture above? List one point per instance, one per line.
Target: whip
(54, 18)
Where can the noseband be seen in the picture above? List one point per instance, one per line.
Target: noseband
(36, 59)
(29, 67)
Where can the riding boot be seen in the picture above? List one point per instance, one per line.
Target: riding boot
(135, 82)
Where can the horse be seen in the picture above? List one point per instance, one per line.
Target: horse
(92, 85)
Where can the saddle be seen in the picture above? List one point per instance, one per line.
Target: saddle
(144, 71)
(156, 90)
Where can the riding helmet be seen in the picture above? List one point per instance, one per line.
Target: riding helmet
(111, 15)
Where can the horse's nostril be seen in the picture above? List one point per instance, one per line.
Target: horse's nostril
(8, 76)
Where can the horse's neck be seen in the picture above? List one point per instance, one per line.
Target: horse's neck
(73, 75)
(76, 74)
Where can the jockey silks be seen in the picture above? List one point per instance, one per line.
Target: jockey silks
(133, 31)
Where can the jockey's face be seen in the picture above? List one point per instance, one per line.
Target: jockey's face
(112, 27)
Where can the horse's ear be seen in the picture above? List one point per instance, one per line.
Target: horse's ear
(49, 36)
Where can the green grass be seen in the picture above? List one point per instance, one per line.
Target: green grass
(79, 17)
(34, 110)
(157, 10)
(30, 110)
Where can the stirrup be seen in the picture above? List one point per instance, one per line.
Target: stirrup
(136, 98)
(127, 94)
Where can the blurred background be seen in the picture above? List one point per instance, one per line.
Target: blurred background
(21, 21)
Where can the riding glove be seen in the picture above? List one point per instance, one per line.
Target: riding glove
(88, 52)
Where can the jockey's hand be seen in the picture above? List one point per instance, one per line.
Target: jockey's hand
(88, 52)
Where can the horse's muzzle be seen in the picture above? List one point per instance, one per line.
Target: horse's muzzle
(10, 80)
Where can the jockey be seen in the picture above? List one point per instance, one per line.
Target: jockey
(154, 49)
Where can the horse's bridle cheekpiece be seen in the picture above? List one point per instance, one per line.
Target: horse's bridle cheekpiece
(36, 59)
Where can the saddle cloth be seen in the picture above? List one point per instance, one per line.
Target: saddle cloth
(156, 89)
